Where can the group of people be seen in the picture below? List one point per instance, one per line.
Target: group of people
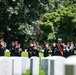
(14, 48)
(63, 49)
(33, 49)
(57, 49)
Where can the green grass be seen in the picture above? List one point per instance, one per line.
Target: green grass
(7, 54)
(23, 54)
(41, 54)
(41, 72)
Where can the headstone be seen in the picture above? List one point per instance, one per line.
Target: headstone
(5, 66)
(25, 64)
(53, 65)
(34, 66)
(70, 66)
(16, 65)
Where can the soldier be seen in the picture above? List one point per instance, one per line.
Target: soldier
(59, 46)
(64, 50)
(46, 50)
(68, 49)
(2, 47)
(72, 48)
(35, 50)
(12, 49)
(53, 48)
(30, 50)
(18, 50)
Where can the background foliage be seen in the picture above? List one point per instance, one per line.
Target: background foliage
(54, 18)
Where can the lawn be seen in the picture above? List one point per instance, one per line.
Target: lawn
(41, 72)
(24, 54)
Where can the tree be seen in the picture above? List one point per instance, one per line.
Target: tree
(59, 24)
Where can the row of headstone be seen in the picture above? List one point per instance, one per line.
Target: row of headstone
(14, 65)
(19, 65)
(58, 65)
(55, 65)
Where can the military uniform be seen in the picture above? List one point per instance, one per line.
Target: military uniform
(30, 51)
(53, 48)
(2, 48)
(59, 48)
(12, 50)
(72, 48)
(35, 52)
(46, 52)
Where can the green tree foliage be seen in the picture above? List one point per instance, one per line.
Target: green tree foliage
(60, 24)
(18, 17)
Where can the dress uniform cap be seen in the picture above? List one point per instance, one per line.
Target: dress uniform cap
(59, 39)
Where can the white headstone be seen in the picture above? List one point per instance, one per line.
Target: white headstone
(5, 66)
(54, 65)
(34, 66)
(16, 65)
(25, 64)
(70, 66)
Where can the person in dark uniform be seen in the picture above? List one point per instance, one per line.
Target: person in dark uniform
(2, 47)
(35, 50)
(18, 50)
(64, 50)
(59, 46)
(12, 49)
(46, 50)
(30, 50)
(68, 49)
(53, 48)
(72, 48)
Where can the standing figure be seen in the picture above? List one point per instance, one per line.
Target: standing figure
(18, 50)
(53, 48)
(12, 49)
(30, 50)
(72, 48)
(46, 50)
(64, 50)
(2, 47)
(59, 46)
(68, 49)
(36, 50)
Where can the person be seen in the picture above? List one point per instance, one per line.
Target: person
(59, 46)
(46, 50)
(64, 50)
(35, 50)
(12, 48)
(68, 49)
(18, 50)
(53, 48)
(2, 47)
(72, 48)
(30, 49)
